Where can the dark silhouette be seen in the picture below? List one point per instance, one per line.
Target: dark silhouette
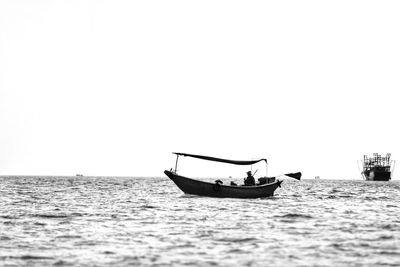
(250, 179)
(377, 167)
(217, 185)
(217, 189)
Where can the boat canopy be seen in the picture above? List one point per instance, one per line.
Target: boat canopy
(236, 162)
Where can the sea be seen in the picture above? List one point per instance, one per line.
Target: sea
(148, 221)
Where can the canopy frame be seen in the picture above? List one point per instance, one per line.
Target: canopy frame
(228, 161)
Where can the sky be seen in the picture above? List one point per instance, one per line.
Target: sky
(112, 87)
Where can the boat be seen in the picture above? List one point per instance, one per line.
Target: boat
(265, 187)
(377, 167)
(79, 175)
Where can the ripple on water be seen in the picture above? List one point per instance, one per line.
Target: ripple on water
(34, 257)
(51, 216)
(295, 216)
(237, 239)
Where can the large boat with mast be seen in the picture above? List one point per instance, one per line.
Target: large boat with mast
(377, 167)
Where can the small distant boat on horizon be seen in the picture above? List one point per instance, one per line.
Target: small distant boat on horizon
(377, 167)
(317, 177)
(79, 175)
(265, 187)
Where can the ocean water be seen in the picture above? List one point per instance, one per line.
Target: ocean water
(114, 221)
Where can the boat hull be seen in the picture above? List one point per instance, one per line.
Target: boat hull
(377, 175)
(200, 188)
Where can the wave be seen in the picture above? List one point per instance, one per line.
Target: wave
(51, 216)
(69, 236)
(239, 240)
(148, 207)
(9, 217)
(33, 257)
(295, 216)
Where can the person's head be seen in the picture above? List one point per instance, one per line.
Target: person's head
(249, 173)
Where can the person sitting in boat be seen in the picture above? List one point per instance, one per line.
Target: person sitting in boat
(250, 179)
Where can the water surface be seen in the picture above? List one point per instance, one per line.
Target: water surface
(114, 221)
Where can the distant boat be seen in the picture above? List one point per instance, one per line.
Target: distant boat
(377, 167)
(265, 188)
(80, 175)
(317, 178)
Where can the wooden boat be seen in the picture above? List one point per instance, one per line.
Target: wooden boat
(265, 188)
(200, 188)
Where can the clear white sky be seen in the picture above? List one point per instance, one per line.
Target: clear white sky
(113, 87)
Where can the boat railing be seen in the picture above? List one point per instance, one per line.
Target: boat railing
(376, 161)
